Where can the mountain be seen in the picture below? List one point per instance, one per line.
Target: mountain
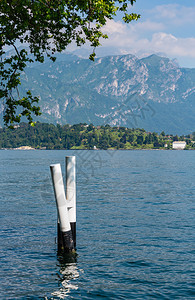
(153, 93)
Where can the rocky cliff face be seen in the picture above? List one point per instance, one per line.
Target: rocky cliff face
(153, 92)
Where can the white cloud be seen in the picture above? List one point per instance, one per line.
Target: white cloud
(173, 46)
(114, 27)
(149, 26)
(129, 39)
(118, 34)
(174, 14)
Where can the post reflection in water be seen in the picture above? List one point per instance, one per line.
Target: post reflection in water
(68, 272)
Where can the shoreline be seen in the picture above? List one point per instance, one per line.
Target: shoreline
(30, 148)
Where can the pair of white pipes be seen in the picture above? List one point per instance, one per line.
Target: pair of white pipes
(66, 204)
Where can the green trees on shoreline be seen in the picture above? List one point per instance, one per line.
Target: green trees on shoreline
(83, 136)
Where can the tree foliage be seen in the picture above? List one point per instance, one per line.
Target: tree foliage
(83, 136)
(46, 27)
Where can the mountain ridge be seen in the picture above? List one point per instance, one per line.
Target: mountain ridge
(153, 92)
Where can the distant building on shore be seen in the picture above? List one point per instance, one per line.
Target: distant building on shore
(179, 145)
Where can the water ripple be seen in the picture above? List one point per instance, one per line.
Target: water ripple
(135, 227)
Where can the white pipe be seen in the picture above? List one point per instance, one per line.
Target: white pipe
(71, 193)
(58, 185)
(71, 187)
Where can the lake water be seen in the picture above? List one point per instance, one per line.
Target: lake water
(135, 226)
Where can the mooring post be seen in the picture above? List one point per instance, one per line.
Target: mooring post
(71, 193)
(59, 238)
(62, 208)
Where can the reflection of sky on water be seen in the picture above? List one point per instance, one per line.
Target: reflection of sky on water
(67, 274)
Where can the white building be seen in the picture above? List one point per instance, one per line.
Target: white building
(179, 145)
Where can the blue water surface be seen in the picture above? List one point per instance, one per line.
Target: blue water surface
(135, 226)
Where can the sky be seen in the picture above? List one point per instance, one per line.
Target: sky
(166, 27)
